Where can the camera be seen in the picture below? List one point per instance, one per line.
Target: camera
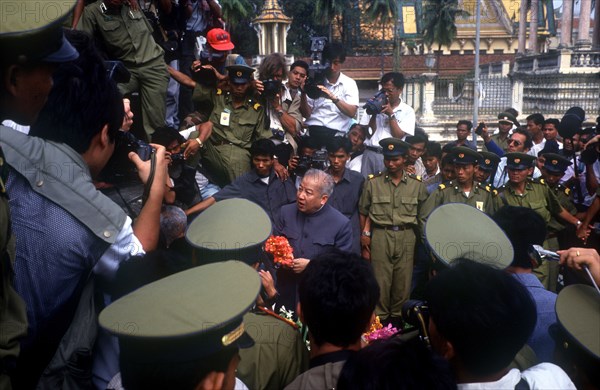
(128, 142)
(317, 69)
(272, 88)
(479, 129)
(374, 105)
(318, 160)
(177, 157)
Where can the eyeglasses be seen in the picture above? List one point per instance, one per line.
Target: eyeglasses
(514, 141)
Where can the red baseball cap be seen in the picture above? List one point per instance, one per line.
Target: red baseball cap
(219, 39)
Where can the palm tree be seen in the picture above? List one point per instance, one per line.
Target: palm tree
(382, 11)
(327, 10)
(439, 18)
(235, 10)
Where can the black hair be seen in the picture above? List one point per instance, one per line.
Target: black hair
(166, 135)
(337, 143)
(300, 64)
(420, 132)
(448, 148)
(448, 159)
(82, 100)
(334, 50)
(308, 142)
(396, 364)
(512, 111)
(465, 122)
(485, 313)
(433, 149)
(523, 227)
(416, 139)
(173, 375)
(536, 118)
(525, 133)
(396, 78)
(363, 128)
(552, 121)
(262, 147)
(338, 293)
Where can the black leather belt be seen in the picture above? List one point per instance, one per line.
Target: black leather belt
(394, 228)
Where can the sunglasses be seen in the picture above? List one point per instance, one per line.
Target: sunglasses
(514, 141)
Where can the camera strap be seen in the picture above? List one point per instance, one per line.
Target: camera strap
(150, 177)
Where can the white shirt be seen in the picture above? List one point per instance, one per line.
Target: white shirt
(542, 376)
(404, 114)
(570, 172)
(536, 148)
(326, 113)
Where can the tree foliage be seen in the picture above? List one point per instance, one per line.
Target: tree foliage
(440, 22)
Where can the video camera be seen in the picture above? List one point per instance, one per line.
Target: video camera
(206, 76)
(317, 69)
(374, 105)
(318, 160)
(272, 88)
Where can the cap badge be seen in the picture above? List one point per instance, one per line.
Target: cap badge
(554, 162)
(487, 161)
(461, 155)
(238, 74)
(390, 147)
(517, 160)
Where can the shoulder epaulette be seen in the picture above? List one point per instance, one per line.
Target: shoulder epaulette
(564, 189)
(256, 106)
(219, 91)
(273, 314)
(416, 177)
(442, 186)
(488, 188)
(373, 175)
(495, 192)
(537, 180)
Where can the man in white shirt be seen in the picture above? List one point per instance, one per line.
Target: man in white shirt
(396, 119)
(331, 113)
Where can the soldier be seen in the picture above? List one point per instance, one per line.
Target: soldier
(465, 189)
(127, 36)
(506, 121)
(237, 121)
(184, 331)
(487, 165)
(389, 208)
(533, 193)
(32, 45)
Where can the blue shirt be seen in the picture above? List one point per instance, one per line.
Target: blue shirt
(345, 197)
(268, 196)
(540, 340)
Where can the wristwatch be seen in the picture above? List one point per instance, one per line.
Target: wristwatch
(578, 223)
(336, 100)
(392, 116)
(366, 234)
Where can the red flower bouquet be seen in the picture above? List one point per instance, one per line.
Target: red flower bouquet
(281, 250)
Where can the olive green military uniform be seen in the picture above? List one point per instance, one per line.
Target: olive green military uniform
(541, 199)
(126, 35)
(393, 210)
(13, 316)
(483, 198)
(278, 356)
(226, 154)
(502, 143)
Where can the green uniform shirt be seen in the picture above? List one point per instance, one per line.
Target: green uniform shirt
(537, 196)
(125, 34)
(562, 194)
(243, 126)
(502, 144)
(388, 204)
(483, 198)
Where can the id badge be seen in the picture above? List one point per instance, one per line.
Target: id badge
(224, 119)
(479, 206)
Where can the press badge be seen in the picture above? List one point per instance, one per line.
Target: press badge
(225, 118)
(479, 206)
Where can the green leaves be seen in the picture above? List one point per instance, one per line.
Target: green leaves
(440, 21)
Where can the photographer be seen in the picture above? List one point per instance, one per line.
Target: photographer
(283, 110)
(332, 112)
(65, 228)
(396, 118)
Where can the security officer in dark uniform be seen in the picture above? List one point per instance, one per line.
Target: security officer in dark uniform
(535, 194)
(237, 121)
(389, 208)
(464, 189)
(32, 44)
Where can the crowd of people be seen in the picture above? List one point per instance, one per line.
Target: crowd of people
(370, 221)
